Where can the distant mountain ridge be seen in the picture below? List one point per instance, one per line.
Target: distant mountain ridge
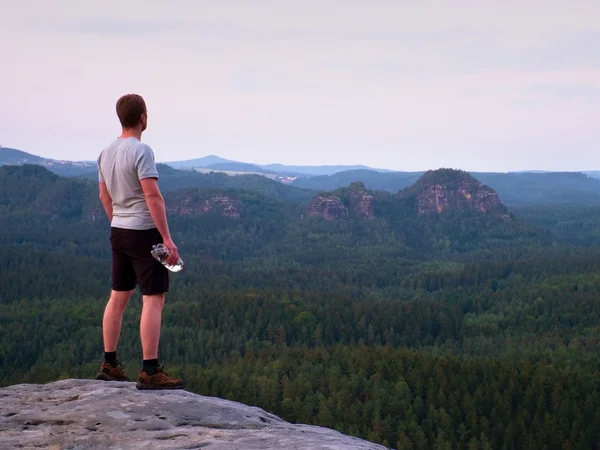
(216, 162)
(406, 220)
(513, 188)
(199, 162)
(235, 166)
(436, 192)
(13, 156)
(319, 170)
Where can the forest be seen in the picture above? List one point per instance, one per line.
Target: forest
(452, 331)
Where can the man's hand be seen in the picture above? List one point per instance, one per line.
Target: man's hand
(173, 252)
(106, 200)
(156, 205)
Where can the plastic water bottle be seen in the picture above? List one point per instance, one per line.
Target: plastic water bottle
(160, 253)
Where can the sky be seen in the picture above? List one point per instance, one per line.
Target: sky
(476, 85)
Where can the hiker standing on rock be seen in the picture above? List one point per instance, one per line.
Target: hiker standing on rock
(134, 205)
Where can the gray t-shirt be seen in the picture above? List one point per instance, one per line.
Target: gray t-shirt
(121, 166)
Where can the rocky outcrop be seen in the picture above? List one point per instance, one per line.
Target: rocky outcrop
(227, 206)
(437, 198)
(333, 206)
(329, 207)
(222, 204)
(362, 202)
(90, 414)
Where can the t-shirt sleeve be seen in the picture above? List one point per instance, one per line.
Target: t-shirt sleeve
(144, 164)
(100, 176)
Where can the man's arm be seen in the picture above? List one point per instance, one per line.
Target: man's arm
(156, 205)
(106, 200)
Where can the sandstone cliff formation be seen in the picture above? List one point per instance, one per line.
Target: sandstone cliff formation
(340, 203)
(329, 207)
(436, 192)
(469, 194)
(90, 414)
(362, 202)
(445, 189)
(191, 205)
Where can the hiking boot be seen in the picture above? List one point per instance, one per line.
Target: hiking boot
(110, 373)
(160, 380)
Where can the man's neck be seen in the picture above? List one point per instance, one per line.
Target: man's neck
(131, 132)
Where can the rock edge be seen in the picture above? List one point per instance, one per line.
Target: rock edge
(89, 414)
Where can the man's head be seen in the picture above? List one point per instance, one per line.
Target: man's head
(131, 109)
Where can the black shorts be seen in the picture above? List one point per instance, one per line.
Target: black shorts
(133, 264)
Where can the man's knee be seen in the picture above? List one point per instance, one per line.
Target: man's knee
(154, 299)
(120, 296)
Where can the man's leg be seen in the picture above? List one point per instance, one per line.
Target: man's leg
(113, 318)
(110, 369)
(150, 324)
(153, 279)
(123, 284)
(152, 375)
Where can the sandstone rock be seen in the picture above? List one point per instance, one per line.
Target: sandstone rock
(228, 206)
(329, 207)
(362, 202)
(224, 204)
(90, 414)
(365, 207)
(469, 194)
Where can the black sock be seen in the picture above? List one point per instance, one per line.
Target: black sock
(111, 357)
(150, 366)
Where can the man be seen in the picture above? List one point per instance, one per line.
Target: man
(135, 207)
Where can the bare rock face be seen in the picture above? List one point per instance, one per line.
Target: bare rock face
(362, 202)
(436, 198)
(228, 206)
(224, 204)
(329, 207)
(90, 414)
(365, 207)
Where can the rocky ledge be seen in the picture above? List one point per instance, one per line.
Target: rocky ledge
(90, 414)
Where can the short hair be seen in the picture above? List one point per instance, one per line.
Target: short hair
(130, 108)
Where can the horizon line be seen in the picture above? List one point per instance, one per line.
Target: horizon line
(367, 167)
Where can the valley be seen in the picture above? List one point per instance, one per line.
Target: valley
(434, 315)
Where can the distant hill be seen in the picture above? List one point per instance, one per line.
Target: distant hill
(11, 156)
(443, 190)
(593, 173)
(238, 167)
(543, 188)
(513, 188)
(14, 156)
(386, 181)
(443, 211)
(216, 162)
(171, 179)
(199, 162)
(317, 170)
(34, 189)
(264, 221)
